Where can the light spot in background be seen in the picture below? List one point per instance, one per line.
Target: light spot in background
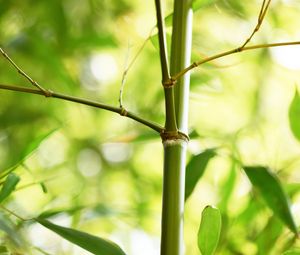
(139, 242)
(52, 151)
(45, 239)
(142, 243)
(88, 162)
(103, 67)
(296, 208)
(116, 152)
(287, 56)
(243, 187)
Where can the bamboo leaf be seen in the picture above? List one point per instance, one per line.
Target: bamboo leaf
(9, 185)
(93, 244)
(28, 151)
(294, 115)
(273, 194)
(292, 252)
(197, 4)
(209, 231)
(195, 170)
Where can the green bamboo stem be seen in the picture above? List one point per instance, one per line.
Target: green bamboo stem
(173, 198)
(180, 59)
(172, 242)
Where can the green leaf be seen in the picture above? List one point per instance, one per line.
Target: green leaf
(28, 151)
(292, 252)
(195, 170)
(273, 194)
(209, 231)
(9, 185)
(44, 187)
(227, 188)
(197, 4)
(93, 244)
(8, 227)
(36, 143)
(294, 115)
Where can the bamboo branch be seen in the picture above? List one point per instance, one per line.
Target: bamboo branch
(162, 42)
(261, 16)
(119, 110)
(230, 52)
(20, 71)
(127, 67)
(167, 82)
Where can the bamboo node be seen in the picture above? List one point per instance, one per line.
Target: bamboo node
(173, 136)
(123, 112)
(48, 93)
(169, 83)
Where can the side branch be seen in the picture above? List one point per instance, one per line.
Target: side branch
(167, 82)
(118, 110)
(230, 52)
(261, 16)
(21, 72)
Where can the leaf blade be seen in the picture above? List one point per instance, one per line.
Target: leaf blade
(209, 230)
(195, 169)
(294, 116)
(272, 193)
(9, 185)
(93, 244)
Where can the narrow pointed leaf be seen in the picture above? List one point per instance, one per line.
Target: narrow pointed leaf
(93, 244)
(273, 194)
(9, 185)
(209, 231)
(294, 116)
(31, 148)
(195, 170)
(292, 252)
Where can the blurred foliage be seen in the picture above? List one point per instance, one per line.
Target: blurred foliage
(101, 173)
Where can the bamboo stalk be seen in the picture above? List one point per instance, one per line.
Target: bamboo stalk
(172, 242)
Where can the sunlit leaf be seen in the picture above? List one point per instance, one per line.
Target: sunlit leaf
(8, 227)
(9, 185)
(197, 4)
(209, 231)
(227, 188)
(29, 150)
(44, 187)
(292, 252)
(195, 170)
(269, 234)
(93, 244)
(294, 116)
(273, 194)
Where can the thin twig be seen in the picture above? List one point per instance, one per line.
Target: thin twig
(118, 110)
(123, 81)
(230, 52)
(261, 16)
(14, 214)
(124, 77)
(20, 71)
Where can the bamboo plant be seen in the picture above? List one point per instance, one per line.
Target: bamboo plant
(178, 180)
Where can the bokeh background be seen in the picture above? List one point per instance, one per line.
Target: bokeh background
(101, 173)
